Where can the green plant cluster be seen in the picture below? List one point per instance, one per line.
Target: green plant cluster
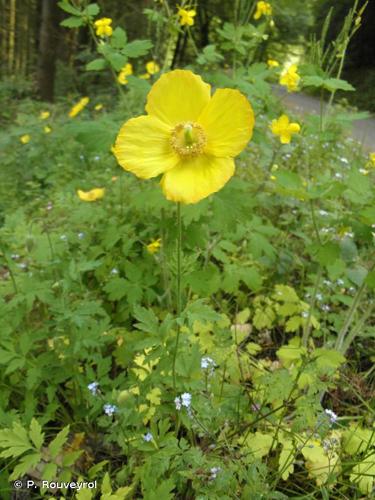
(272, 397)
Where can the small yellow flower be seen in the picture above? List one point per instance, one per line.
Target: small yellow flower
(103, 27)
(272, 177)
(263, 9)
(187, 136)
(93, 195)
(152, 68)
(283, 128)
(77, 108)
(25, 138)
(44, 115)
(98, 107)
(154, 246)
(186, 17)
(145, 76)
(372, 159)
(47, 129)
(272, 63)
(290, 78)
(125, 71)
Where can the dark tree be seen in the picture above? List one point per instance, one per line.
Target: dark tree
(48, 37)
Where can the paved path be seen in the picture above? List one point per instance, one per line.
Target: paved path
(362, 130)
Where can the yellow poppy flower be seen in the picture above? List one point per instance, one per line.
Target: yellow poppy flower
(154, 246)
(188, 136)
(272, 63)
(25, 138)
(93, 195)
(47, 129)
(283, 128)
(44, 115)
(263, 9)
(290, 78)
(103, 27)
(186, 17)
(77, 108)
(152, 68)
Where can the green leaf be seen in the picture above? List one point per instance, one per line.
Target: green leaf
(15, 441)
(35, 433)
(116, 288)
(117, 60)
(363, 474)
(137, 48)
(58, 442)
(64, 5)
(337, 84)
(118, 38)
(313, 81)
(72, 22)
(92, 10)
(26, 463)
(49, 472)
(96, 65)
(328, 253)
(328, 358)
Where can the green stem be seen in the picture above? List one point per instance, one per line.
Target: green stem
(307, 329)
(352, 310)
(356, 329)
(178, 290)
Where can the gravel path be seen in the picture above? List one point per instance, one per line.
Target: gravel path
(363, 130)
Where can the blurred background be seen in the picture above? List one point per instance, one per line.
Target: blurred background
(42, 59)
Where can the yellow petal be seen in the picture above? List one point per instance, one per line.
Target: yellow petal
(196, 178)
(228, 121)
(294, 128)
(178, 96)
(143, 147)
(285, 137)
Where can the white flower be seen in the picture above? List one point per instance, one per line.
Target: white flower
(323, 213)
(319, 296)
(340, 282)
(186, 399)
(93, 388)
(305, 314)
(338, 175)
(148, 437)
(183, 400)
(109, 409)
(325, 307)
(214, 472)
(14, 256)
(331, 415)
(97, 158)
(81, 235)
(208, 363)
(114, 271)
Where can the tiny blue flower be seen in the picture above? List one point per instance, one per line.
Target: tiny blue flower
(93, 388)
(109, 409)
(148, 437)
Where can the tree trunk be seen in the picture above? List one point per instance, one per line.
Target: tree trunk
(47, 50)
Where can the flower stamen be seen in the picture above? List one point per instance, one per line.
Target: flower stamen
(188, 139)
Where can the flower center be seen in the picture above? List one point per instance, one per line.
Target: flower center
(188, 139)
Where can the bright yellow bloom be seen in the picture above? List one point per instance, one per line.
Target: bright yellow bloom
(103, 27)
(272, 63)
(263, 9)
(25, 138)
(372, 159)
(188, 136)
(186, 16)
(98, 107)
(152, 67)
(77, 108)
(44, 115)
(283, 128)
(154, 246)
(47, 129)
(125, 71)
(290, 78)
(93, 195)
